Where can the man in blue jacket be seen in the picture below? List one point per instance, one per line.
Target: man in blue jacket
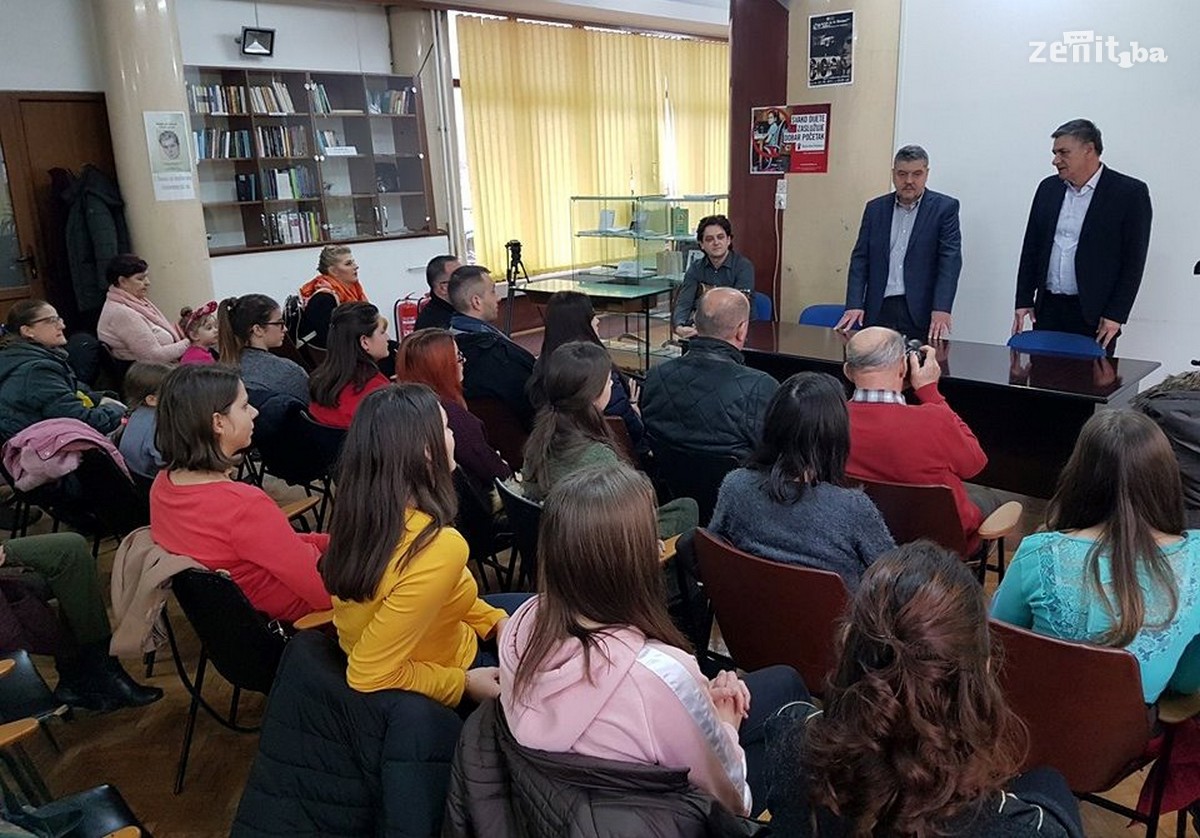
(905, 265)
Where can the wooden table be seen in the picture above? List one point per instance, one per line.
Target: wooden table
(1026, 409)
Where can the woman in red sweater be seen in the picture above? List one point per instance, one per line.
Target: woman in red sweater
(357, 343)
(198, 510)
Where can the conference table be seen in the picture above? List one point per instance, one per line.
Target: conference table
(1026, 409)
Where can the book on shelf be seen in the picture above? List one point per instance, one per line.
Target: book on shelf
(281, 141)
(679, 221)
(320, 99)
(292, 226)
(217, 100)
(390, 101)
(246, 185)
(222, 144)
(327, 139)
(290, 183)
(273, 98)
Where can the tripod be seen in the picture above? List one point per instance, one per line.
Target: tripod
(516, 269)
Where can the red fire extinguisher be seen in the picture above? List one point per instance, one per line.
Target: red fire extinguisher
(406, 314)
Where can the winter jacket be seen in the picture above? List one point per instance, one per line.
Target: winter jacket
(37, 383)
(707, 400)
(636, 700)
(495, 367)
(47, 450)
(141, 578)
(96, 232)
(136, 330)
(1177, 412)
(499, 789)
(332, 761)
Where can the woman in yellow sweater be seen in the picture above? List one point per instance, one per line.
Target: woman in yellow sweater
(407, 610)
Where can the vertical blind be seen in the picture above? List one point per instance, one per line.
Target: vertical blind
(555, 111)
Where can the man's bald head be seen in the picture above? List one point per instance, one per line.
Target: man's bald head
(873, 349)
(723, 314)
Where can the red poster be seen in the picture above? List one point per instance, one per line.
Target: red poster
(789, 139)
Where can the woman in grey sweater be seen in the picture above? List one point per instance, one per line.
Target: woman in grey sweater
(248, 328)
(789, 503)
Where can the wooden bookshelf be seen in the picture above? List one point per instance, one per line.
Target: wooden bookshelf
(293, 158)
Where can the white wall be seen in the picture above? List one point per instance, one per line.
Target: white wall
(388, 270)
(49, 45)
(969, 94)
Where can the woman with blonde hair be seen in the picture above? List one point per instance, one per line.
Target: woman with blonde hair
(336, 283)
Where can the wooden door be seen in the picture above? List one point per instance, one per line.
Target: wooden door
(40, 131)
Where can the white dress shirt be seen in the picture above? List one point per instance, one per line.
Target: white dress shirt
(1060, 277)
(903, 219)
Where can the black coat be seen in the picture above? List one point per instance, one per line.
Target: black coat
(707, 400)
(499, 789)
(96, 232)
(332, 761)
(1112, 247)
(494, 367)
(1177, 412)
(435, 315)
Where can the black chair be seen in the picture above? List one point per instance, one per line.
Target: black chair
(477, 524)
(302, 452)
(242, 644)
(87, 814)
(524, 516)
(683, 473)
(503, 427)
(25, 694)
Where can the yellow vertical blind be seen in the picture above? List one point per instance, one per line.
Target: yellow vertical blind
(555, 111)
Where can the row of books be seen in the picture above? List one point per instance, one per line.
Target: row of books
(292, 226)
(320, 100)
(390, 101)
(273, 98)
(220, 144)
(281, 141)
(290, 182)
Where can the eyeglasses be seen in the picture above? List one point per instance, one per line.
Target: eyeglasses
(54, 319)
(462, 359)
(279, 323)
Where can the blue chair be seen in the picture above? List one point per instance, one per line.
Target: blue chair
(760, 307)
(1046, 342)
(823, 314)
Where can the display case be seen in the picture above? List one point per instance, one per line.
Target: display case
(288, 159)
(639, 238)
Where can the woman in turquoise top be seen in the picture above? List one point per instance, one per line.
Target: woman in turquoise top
(1117, 568)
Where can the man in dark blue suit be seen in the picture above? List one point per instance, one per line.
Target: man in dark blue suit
(905, 265)
(1085, 243)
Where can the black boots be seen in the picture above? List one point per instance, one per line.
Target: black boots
(96, 681)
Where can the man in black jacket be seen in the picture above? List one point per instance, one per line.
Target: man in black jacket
(1085, 243)
(708, 400)
(494, 367)
(438, 310)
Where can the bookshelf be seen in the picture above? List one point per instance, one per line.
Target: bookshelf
(292, 158)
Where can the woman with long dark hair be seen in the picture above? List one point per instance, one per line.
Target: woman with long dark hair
(407, 610)
(569, 316)
(915, 738)
(248, 328)
(431, 357)
(594, 665)
(1116, 566)
(358, 341)
(790, 502)
(570, 434)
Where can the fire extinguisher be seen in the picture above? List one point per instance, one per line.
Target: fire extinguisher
(406, 315)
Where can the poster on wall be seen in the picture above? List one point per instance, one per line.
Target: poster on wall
(167, 141)
(831, 49)
(789, 139)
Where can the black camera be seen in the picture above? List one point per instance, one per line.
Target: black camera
(514, 251)
(913, 346)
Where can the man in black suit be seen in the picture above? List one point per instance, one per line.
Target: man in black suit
(1085, 243)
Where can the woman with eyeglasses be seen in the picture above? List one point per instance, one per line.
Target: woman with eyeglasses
(37, 383)
(431, 357)
(248, 328)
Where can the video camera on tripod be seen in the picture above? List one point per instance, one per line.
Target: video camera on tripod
(516, 270)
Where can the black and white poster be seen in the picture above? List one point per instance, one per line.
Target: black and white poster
(831, 49)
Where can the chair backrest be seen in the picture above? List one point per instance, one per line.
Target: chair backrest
(1046, 342)
(239, 641)
(823, 314)
(620, 434)
(295, 448)
(524, 517)
(770, 612)
(475, 520)
(913, 512)
(761, 307)
(504, 429)
(104, 499)
(692, 474)
(24, 693)
(1083, 705)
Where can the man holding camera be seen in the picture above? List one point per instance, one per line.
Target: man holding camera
(925, 443)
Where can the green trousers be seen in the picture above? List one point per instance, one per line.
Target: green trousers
(67, 565)
(677, 516)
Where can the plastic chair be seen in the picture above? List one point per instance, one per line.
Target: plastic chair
(913, 512)
(301, 452)
(477, 524)
(1101, 736)
(94, 812)
(761, 307)
(1046, 342)
(504, 429)
(25, 694)
(243, 645)
(692, 474)
(524, 516)
(823, 314)
(770, 612)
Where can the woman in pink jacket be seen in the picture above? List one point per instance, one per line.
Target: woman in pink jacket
(594, 666)
(133, 328)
